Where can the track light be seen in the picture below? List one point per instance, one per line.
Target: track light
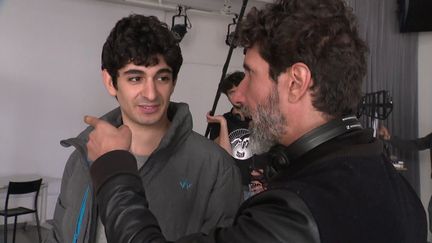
(231, 37)
(179, 30)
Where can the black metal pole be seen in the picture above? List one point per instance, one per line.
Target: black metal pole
(225, 67)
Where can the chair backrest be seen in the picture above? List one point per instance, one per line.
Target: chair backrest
(23, 187)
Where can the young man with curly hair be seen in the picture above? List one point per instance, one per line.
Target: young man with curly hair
(191, 183)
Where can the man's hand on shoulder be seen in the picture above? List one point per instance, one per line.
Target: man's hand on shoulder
(105, 138)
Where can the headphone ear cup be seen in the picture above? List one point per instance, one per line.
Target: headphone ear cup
(278, 160)
(269, 172)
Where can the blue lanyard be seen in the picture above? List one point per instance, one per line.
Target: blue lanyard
(81, 215)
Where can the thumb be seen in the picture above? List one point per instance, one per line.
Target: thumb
(91, 120)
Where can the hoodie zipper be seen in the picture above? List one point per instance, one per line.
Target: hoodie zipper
(81, 216)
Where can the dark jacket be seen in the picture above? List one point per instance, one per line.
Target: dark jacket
(344, 190)
(192, 184)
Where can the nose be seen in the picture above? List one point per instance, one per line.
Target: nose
(148, 90)
(238, 97)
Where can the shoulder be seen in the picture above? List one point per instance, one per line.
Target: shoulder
(196, 137)
(206, 149)
(277, 198)
(205, 145)
(76, 169)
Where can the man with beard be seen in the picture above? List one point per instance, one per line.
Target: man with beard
(304, 66)
(231, 132)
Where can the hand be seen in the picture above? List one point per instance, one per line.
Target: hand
(105, 138)
(257, 183)
(216, 119)
(384, 132)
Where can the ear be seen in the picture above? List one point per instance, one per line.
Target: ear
(107, 80)
(298, 81)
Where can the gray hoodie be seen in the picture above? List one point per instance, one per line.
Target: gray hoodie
(191, 183)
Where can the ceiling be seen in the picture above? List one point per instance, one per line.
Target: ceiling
(204, 6)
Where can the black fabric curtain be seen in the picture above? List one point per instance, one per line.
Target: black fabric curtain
(392, 66)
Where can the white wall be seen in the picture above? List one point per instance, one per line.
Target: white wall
(50, 75)
(425, 111)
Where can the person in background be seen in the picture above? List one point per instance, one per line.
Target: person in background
(231, 132)
(192, 185)
(410, 145)
(304, 65)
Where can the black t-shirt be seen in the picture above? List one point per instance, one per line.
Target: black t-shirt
(238, 133)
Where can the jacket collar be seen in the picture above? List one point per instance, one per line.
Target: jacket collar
(180, 129)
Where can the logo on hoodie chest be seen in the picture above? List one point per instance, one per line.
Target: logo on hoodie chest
(185, 184)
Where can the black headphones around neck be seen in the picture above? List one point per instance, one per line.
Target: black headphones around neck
(280, 155)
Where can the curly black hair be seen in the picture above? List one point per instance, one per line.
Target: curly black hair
(319, 33)
(139, 39)
(231, 80)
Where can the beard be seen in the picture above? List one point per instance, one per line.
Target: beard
(267, 125)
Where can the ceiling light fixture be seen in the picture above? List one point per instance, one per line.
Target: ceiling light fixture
(180, 29)
(231, 37)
